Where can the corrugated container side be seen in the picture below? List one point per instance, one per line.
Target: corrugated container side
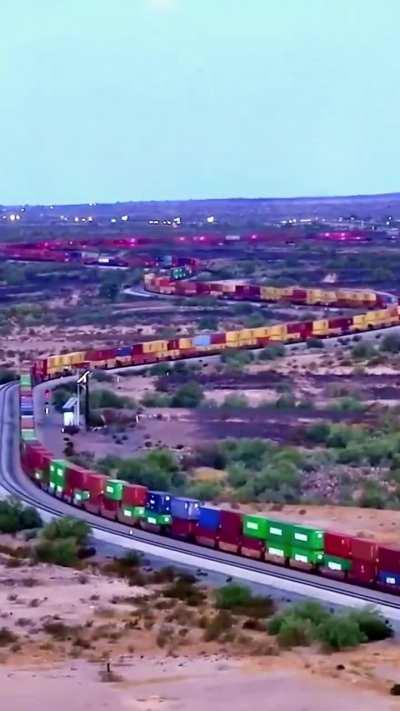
(365, 550)
(389, 578)
(254, 526)
(135, 495)
(159, 502)
(362, 572)
(209, 518)
(185, 508)
(230, 523)
(337, 544)
(183, 528)
(389, 558)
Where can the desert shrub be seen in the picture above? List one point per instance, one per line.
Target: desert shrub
(184, 588)
(67, 527)
(219, 624)
(14, 516)
(295, 632)
(339, 632)
(272, 352)
(315, 343)
(7, 637)
(372, 624)
(240, 600)
(235, 401)
(63, 551)
(188, 395)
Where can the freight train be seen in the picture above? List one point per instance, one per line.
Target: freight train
(268, 538)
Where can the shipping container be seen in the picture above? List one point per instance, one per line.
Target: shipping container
(156, 518)
(95, 484)
(159, 502)
(306, 556)
(254, 526)
(230, 524)
(80, 496)
(389, 578)
(335, 563)
(252, 547)
(134, 495)
(114, 489)
(389, 558)
(209, 518)
(279, 531)
(276, 552)
(28, 435)
(362, 572)
(201, 341)
(109, 508)
(185, 508)
(307, 537)
(57, 473)
(337, 544)
(362, 549)
(206, 537)
(183, 528)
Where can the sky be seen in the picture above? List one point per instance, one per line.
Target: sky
(106, 100)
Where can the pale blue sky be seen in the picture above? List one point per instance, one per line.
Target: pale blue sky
(106, 100)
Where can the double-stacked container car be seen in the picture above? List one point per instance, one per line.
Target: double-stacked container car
(270, 539)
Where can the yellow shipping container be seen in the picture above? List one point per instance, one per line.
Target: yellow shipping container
(269, 293)
(314, 296)
(328, 297)
(286, 291)
(185, 343)
(232, 336)
(359, 322)
(278, 332)
(54, 362)
(155, 346)
(77, 357)
(229, 288)
(262, 332)
(320, 327)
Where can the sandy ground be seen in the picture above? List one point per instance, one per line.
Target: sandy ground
(178, 684)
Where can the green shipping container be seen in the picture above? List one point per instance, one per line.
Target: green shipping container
(157, 519)
(133, 511)
(303, 555)
(255, 526)
(25, 380)
(80, 496)
(279, 531)
(334, 563)
(28, 435)
(57, 472)
(278, 551)
(307, 537)
(114, 489)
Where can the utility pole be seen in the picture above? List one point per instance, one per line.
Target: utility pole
(83, 382)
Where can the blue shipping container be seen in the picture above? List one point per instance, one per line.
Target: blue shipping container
(209, 517)
(204, 340)
(27, 410)
(389, 578)
(124, 351)
(182, 507)
(159, 502)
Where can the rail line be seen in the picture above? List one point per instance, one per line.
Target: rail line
(379, 311)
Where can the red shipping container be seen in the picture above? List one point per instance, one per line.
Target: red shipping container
(362, 549)
(173, 345)
(229, 546)
(338, 544)
(76, 477)
(363, 572)
(27, 423)
(252, 547)
(230, 527)
(253, 292)
(293, 327)
(218, 338)
(205, 538)
(342, 323)
(202, 288)
(299, 295)
(181, 528)
(389, 558)
(135, 495)
(109, 508)
(93, 505)
(95, 484)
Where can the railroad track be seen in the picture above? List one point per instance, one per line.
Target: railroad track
(15, 483)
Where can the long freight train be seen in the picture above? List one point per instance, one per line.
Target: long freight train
(328, 553)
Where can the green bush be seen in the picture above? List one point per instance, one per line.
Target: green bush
(62, 551)
(314, 343)
(340, 632)
(363, 351)
(372, 624)
(271, 352)
(188, 395)
(67, 528)
(295, 632)
(232, 596)
(14, 516)
(235, 401)
(391, 343)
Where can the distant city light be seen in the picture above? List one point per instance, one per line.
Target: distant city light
(76, 219)
(125, 218)
(90, 219)
(177, 220)
(12, 217)
(211, 219)
(113, 219)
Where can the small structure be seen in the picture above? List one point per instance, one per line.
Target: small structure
(71, 414)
